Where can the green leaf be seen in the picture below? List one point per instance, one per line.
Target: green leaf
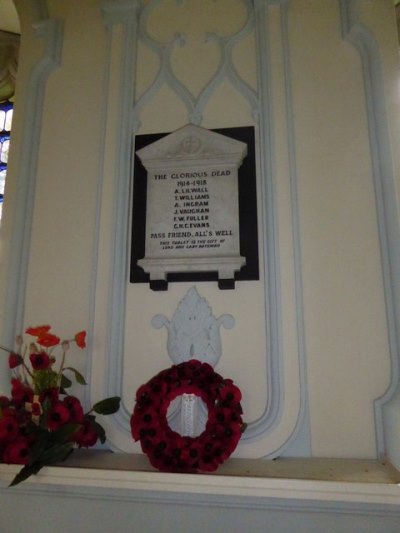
(42, 454)
(78, 376)
(32, 429)
(39, 447)
(25, 472)
(56, 453)
(64, 433)
(46, 406)
(44, 380)
(100, 432)
(65, 382)
(107, 406)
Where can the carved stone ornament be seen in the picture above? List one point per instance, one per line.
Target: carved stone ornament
(193, 331)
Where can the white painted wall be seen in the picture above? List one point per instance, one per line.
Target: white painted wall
(325, 146)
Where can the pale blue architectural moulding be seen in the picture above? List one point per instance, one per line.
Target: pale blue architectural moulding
(50, 31)
(361, 37)
(133, 16)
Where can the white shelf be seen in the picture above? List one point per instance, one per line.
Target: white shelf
(323, 480)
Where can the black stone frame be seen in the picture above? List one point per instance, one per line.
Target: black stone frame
(248, 229)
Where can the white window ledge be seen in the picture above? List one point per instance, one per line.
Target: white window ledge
(325, 480)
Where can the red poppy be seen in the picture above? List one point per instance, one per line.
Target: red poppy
(10, 411)
(80, 339)
(40, 361)
(223, 415)
(4, 402)
(149, 418)
(48, 340)
(51, 395)
(160, 451)
(87, 435)
(58, 416)
(36, 409)
(213, 386)
(208, 462)
(14, 360)
(145, 420)
(160, 461)
(193, 365)
(144, 395)
(8, 428)
(38, 331)
(191, 453)
(136, 431)
(20, 393)
(222, 453)
(158, 387)
(17, 452)
(207, 370)
(229, 435)
(75, 409)
(230, 393)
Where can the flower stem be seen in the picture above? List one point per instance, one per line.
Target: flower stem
(62, 363)
(5, 349)
(27, 369)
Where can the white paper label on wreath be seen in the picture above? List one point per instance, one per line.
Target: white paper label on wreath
(187, 415)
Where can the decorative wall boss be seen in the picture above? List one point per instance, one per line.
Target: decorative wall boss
(193, 331)
(192, 216)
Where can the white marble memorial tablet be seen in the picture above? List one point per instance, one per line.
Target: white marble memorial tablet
(192, 212)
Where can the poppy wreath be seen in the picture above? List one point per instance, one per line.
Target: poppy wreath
(167, 450)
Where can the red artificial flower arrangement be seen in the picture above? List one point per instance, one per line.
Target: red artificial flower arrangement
(166, 449)
(41, 424)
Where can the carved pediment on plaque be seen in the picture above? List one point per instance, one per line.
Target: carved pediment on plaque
(193, 142)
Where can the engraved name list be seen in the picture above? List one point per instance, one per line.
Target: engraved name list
(193, 224)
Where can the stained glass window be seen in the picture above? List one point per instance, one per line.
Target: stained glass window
(6, 113)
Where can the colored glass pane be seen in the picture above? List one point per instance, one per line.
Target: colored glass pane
(6, 115)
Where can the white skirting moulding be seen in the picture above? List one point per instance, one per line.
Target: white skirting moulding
(334, 481)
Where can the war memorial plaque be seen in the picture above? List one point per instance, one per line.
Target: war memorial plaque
(192, 206)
